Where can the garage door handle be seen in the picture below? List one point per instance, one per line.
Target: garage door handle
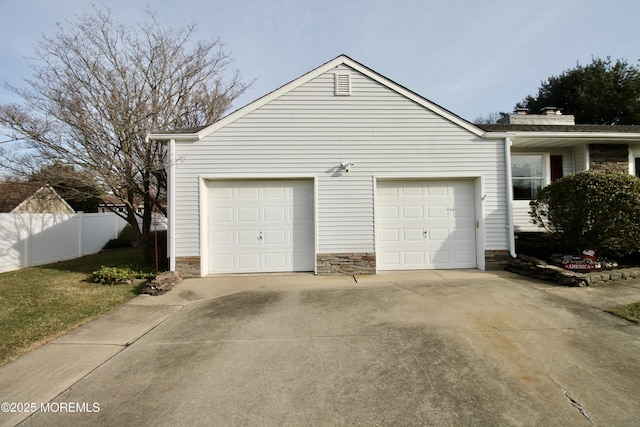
(260, 236)
(425, 233)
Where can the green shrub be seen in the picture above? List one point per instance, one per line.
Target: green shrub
(126, 239)
(127, 234)
(591, 210)
(121, 274)
(111, 275)
(117, 244)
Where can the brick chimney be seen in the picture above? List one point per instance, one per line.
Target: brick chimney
(548, 116)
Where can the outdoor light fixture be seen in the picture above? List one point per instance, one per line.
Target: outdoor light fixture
(346, 165)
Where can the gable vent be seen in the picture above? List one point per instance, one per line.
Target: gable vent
(343, 84)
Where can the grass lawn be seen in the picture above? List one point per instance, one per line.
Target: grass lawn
(630, 312)
(38, 304)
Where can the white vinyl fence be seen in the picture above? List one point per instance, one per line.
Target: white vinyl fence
(30, 239)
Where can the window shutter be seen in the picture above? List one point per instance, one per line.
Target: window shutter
(556, 167)
(343, 84)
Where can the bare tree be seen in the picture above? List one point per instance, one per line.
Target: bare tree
(490, 118)
(99, 87)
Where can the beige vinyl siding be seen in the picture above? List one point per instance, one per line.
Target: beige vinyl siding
(310, 131)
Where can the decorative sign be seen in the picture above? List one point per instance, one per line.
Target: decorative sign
(584, 261)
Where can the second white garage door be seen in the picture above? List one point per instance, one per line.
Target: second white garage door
(425, 224)
(261, 226)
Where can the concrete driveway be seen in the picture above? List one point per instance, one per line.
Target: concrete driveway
(427, 348)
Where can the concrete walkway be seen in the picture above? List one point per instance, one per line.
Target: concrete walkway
(425, 348)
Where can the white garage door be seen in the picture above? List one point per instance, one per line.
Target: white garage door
(425, 224)
(261, 226)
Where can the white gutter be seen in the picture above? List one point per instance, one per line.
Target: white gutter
(605, 136)
(183, 137)
(171, 201)
(509, 182)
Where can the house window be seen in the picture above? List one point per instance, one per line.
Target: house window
(527, 175)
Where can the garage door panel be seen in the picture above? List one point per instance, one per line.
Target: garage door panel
(248, 214)
(276, 260)
(274, 192)
(436, 226)
(463, 257)
(301, 257)
(410, 191)
(223, 259)
(222, 193)
(247, 238)
(415, 234)
(248, 262)
(258, 226)
(462, 233)
(275, 238)
(387, 191)
(409, 212)
(435, 189)
(438, 234)
(222, 214)
(388, 235)
(301, 237)
(435, 211)
(275, 214)
(388, 212)
(223, 238)
(414, 258)
(387, 258)
(246, 192)
(440, 259)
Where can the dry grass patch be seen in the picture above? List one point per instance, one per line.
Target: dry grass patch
(630, 311)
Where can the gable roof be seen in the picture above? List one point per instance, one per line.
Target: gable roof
(196, 134)
(14, 194)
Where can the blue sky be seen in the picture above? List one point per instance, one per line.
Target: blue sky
(471, 57)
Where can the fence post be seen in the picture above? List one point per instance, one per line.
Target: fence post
(27, 239)
(79, 218)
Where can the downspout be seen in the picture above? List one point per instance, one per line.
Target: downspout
(510, 230)
(171, 201)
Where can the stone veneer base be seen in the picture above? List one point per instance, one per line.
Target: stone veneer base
(188, 266)
(496, 259)
(347, 264)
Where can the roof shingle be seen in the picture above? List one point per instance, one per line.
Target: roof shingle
(14, 193)
(506, 127)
